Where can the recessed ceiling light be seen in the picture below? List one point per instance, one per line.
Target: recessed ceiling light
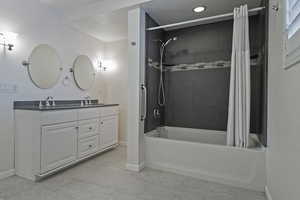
(199, 9)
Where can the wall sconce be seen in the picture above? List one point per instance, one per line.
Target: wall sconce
(101, 65)
(104, 65)
(8, 39)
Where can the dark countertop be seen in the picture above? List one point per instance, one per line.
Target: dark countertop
(60, 105)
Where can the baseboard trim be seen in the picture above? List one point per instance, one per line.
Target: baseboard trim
(7, 173)
(206, 177)
(268, 194)
(135, 167)
(123, 143)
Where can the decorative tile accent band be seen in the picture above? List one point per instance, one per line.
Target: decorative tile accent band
(197, 66)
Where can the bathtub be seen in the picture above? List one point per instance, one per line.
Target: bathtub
(203, 154)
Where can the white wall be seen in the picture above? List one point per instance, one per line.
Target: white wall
(136, 73)
(283, 162)
(37, 24)
(116, 79)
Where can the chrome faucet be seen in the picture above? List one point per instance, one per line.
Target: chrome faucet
(48, 99)
(87, 100)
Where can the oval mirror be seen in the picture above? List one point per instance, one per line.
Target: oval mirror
(84, 72)
(44, 66)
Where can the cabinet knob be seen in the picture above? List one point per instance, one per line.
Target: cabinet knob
(90, 128)
(90, 146)
(76, 127)
(101, 122)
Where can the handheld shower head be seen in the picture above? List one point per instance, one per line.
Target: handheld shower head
(169, 40)
(161, 90)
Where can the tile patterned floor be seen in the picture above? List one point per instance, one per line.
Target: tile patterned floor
(105, 178)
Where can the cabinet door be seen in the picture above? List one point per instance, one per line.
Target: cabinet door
(109, 131)
(58, 146)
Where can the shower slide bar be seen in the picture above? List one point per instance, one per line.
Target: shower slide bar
(212, 18)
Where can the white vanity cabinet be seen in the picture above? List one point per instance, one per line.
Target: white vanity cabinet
(88, 146)
(108, 127)
(58, 145)
(108, 131)
(88, 137)
(47, 141)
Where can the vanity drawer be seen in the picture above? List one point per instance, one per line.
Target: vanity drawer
(88, 113)
(88, 128)
(108, 111)
(55, 117)
(87, 146)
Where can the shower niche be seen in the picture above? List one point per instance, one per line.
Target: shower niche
(188, 75)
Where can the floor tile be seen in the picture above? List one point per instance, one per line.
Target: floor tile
(105, 178)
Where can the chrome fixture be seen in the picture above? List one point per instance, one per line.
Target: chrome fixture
(144, 114)
(25, 63)
(40, 104)
(48, 99)
(87, 100)
(167, 42)
(275, 6)
(203, 19)
(8, 39)
(161, 90)
(102, 65)
(156, 113)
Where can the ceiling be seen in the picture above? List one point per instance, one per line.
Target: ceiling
(173, 11)
(107, 19)
(69, 3)
(108, 27)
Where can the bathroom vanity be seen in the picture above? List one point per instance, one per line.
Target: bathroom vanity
(49, 139)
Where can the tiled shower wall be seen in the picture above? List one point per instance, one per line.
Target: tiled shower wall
(199, 98)
(152, 76)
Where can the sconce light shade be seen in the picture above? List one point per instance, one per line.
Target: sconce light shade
(107, 65)
(8, 39)
(102, 65)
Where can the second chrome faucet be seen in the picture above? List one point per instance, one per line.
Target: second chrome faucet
(50, 99)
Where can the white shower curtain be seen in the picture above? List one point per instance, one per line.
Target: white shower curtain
(238, 126)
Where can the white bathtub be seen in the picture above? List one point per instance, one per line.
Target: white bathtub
(203, 154)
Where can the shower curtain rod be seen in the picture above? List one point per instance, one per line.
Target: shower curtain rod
(201, 19)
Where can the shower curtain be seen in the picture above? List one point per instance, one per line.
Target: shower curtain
(238, 126)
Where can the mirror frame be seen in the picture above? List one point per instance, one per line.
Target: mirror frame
(29, 63)
(74, 75)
